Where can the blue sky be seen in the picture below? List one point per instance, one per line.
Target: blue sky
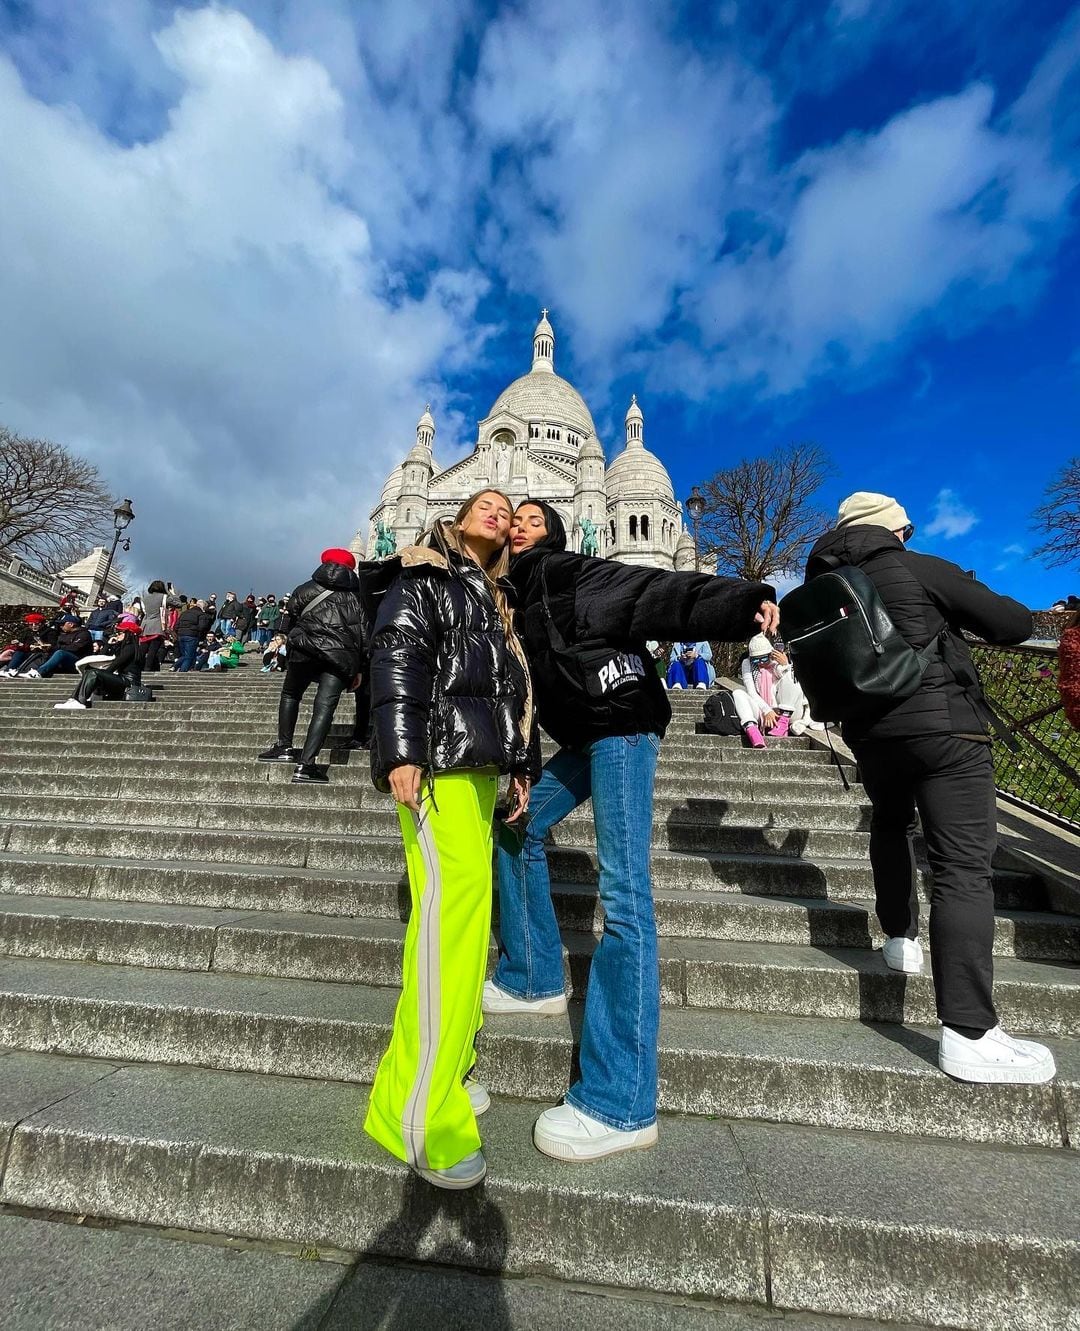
(244, 244)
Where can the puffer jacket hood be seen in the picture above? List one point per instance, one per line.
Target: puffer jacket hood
(926, 598)
(448, 691)
(336, 630)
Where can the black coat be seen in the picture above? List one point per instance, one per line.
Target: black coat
(924, 595)
(228, 609)
(77, 641)
(124, 650)
(104, 617)
(334, 632)
(447, 691)
(245, 618)
(598, 605)
(193, 623)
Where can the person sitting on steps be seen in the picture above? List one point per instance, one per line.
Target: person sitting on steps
(689, 668)
(111, 679)
(326, 647)
(770, 696)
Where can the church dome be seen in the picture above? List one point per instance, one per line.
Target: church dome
(392, 488)
(545, 397)
(636, 473)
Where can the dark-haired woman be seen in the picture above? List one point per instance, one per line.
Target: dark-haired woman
(451, 710)
(156, 608)
(584, 622)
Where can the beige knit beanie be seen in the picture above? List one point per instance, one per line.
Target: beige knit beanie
(866, 509)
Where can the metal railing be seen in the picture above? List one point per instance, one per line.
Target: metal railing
(1021, 684)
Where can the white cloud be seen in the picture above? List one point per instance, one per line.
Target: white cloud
(951, 517)
(203, 314)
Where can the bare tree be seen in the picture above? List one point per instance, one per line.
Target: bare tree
(761, 513)
(1058, 518)
(52, 503)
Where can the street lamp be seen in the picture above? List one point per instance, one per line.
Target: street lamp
(696, 506)
(123, 514)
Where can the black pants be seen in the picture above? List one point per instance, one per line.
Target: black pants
(155, 651)
(94, 681)
(951, 783)
(299, 677)
(362, 724)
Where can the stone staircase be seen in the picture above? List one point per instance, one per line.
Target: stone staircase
(197, 975)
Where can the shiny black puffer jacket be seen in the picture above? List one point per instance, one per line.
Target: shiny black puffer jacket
(924, 595)
(335, 632)
(447, 692)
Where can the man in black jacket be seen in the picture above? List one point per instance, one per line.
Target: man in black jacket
(931, 752)
(191, 626)
(73, 642)
(326, 646)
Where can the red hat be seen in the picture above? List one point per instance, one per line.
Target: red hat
(33, 618)
(128, 623)
(343, 557)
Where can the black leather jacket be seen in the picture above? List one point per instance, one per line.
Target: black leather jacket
(447, 691)
(335, 631)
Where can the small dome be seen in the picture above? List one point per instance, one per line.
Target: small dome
(685, 542)
(590, 448)
(392, 488)
(426, 421)
(638, 474)
(633, 411)
(543, 326)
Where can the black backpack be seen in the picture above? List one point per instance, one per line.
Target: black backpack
(721, 718)
(850, 658)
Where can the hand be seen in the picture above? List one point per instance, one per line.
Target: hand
(351, 688)
(768, 617)
(769, 719)
(780, 658)
(405, 785)
(519, 797)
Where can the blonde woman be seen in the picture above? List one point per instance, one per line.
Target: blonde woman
(451, 710)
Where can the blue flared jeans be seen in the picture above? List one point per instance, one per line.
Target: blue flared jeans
(617, 1084)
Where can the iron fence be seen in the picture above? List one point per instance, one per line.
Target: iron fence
(1021, 684)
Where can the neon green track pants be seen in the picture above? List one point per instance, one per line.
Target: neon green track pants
(419, 1109)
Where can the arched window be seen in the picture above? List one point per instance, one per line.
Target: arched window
(644, 526)
(633, 527)
(611, 531)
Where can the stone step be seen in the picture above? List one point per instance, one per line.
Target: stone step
(256, 789)
(673, 831)
(220, 762)
(796, 1218)
(680, 914)
(765, 874)
(818, 1072)
(851, 983)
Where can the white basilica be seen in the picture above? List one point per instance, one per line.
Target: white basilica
(539, 441)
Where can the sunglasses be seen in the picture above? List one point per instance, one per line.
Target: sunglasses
(908, 532)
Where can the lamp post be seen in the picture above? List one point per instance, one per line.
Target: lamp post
(695, 506)
(123, 514)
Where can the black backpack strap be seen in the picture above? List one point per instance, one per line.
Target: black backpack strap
(556, 639)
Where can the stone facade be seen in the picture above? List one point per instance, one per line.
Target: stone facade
(539, 441)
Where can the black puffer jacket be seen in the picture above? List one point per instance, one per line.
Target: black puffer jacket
(604, 611)
(334, 632)
(447, 691)
(924, 595)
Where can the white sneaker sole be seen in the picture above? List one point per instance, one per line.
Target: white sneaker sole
(905, 967)
(438, 1179)
(478, 1098)
(1000, 1074)
(507, 1005)
(583, 1153)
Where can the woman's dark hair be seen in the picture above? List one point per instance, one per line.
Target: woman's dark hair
(555, 539)
(156, 586)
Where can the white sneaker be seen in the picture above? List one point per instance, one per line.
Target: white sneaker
(565, 1133)
(72, 705)
(673, 687)
(31, 674)
(478, 1096)
(996, 1057)
(466, 1173)
(701, 686)
(903, 954)
(497, 1001)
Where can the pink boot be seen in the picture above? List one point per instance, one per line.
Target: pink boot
(754, 735)
(782, 726)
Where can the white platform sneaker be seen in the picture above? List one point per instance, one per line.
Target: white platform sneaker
(497, 1002)
(565, 1133)
(478, 1096)
(995, 1057)
(72, 705)
(903, 954)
